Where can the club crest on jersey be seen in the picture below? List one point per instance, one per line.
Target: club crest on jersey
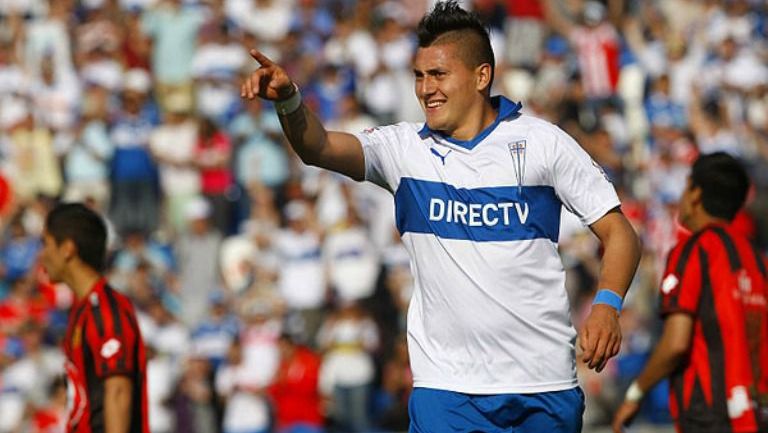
(109, 348)
(517, 150)
(669, 284)
(744, 292)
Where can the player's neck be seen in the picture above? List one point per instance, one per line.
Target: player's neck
(477, 119)
(704, 220)
(81, 280)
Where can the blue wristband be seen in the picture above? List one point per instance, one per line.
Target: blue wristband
(608, 297)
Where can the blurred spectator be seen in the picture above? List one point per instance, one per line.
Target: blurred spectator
(258, 340)
(134, 199)
(19, 253)
(269, 20)
(162, 374)
(194, 399)
(525, 31)
(351, 118)
(34, 373)
(135, 252)
(173, 28)
(197, 250)
(596, 43)
(301, 277)
(166, 333)
(52, 418)
(217, 62)
(12, 76)
(352, 262)
(295, 393)
(352, 45)
(136, 46)
(348, 338)
(23, 304)
(711, 125)
(55, 96)
(213, 158)
(215, 335)
(260, 159)
(49, 36)
(396, 386)
(86, 166)
(33, 163)
(244, 407)
(315, 23)
(173, 145)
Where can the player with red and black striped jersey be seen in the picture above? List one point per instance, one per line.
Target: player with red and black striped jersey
(713, 300)
(106, 362)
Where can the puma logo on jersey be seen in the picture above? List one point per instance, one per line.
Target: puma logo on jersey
(437, 154)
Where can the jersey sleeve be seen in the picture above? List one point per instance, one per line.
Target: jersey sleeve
(681, 285)
(113, 338)
(382, 147)
(580, 183)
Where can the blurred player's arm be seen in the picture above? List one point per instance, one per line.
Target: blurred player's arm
(601, 335)
(669, 353)
(117, 404)
(335, 151)
(556, 18)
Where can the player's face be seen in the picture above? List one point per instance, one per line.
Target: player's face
(687, 204)
(51, 258)
(445, 86)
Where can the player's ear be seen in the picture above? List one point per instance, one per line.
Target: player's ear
(483, 75)
(68, 249)
(695, 195)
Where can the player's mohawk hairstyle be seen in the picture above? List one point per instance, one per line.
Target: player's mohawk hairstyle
(445, 17)
(449, 23)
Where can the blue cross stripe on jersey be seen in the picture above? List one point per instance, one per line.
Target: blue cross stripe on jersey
(505, 213)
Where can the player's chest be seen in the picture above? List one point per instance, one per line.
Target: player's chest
(75, 335)
(509, 162)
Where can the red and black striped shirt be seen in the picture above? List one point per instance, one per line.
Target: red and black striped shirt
(720, 279)
(102, 340)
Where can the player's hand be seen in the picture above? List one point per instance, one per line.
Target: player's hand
(600, 338)
(270, 81)
(624, 416)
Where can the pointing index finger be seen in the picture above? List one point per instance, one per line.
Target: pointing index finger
(261, 58)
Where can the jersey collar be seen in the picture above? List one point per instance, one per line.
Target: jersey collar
(508, 110)
(97, 287)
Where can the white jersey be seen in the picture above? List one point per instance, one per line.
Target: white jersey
(490, 313)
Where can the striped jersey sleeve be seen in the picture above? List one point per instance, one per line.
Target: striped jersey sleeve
(681, 285)
(113, 336)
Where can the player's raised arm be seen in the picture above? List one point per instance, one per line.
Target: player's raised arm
(337, 151)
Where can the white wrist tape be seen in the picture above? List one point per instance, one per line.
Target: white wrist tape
(634, 393)
(289, 105)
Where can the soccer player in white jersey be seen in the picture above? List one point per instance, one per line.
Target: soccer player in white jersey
(478, 191)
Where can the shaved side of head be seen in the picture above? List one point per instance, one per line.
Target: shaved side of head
(471, 47)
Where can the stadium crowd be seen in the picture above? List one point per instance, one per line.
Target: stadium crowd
(272, 296)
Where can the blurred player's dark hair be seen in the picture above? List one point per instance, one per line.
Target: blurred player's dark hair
(724, 184)
(84, 227)
(449, 23)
